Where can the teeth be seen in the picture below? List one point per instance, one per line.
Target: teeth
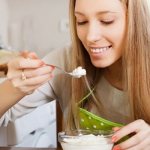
(99, 50)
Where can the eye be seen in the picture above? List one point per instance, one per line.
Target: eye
(107, 22)
(81, 22)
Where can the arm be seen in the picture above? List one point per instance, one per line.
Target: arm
(28, 103)
(9, 96)
(37, 75)
(15, 88)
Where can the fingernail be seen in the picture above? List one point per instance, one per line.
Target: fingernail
(116, 128)
(52, 67)
(114, 139)
(33, 55)
(51, 75)
(116, 148)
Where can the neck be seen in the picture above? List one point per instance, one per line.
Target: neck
(113, 74)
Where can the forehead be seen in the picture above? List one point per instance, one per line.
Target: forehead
(93, 6)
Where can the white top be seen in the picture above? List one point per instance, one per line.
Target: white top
(113, 99)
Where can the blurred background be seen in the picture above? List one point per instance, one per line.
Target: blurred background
(40, 26)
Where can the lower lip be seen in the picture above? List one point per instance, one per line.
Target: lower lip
(100, 54)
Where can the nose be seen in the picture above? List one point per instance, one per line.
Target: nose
(94, 32)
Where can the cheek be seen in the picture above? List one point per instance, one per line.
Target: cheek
(118, 37)
(81, 34)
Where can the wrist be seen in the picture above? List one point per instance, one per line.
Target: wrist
(9, 96)
(14, 90)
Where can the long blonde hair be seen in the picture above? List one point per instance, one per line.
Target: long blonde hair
(135, 58)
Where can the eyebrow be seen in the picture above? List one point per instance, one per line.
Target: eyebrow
(98, 13)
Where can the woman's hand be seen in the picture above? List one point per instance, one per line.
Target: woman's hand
(140, 139)
(27, 72)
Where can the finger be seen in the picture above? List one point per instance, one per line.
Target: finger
(144, 145)
(134, 140)
(37, 80)
(30, 73)
(29, 85)
(135, 126)
(116, 129)
(24, 53)
(27, 54)
(23, 63)
(30, 89)
(30, 63)
(38, 72)
(33, 55)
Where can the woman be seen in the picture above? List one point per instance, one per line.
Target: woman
(110, 39)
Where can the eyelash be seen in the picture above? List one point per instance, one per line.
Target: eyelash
(107, 22)
(103, 22)
(81, 23)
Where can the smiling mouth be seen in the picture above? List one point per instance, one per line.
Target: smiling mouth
(100, 50)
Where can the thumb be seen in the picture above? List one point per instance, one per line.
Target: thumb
(32, 55)
(27, 54)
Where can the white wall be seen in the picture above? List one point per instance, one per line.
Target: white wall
(148, 1)
(3, 21)
(35, 24)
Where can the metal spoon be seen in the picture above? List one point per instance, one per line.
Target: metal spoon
(75, 73)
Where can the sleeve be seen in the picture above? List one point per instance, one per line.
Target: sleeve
(30, 102)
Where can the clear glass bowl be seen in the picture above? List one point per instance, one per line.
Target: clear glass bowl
(86, 139)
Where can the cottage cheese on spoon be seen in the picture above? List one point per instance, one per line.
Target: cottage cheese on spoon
(78, 72)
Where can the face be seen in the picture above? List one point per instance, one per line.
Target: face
(101, 28)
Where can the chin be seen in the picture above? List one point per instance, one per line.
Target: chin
(100, 64)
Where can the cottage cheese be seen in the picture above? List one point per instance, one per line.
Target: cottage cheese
(87, 142)
(78, 72)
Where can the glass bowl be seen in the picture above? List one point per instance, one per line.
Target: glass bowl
(86, 139)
